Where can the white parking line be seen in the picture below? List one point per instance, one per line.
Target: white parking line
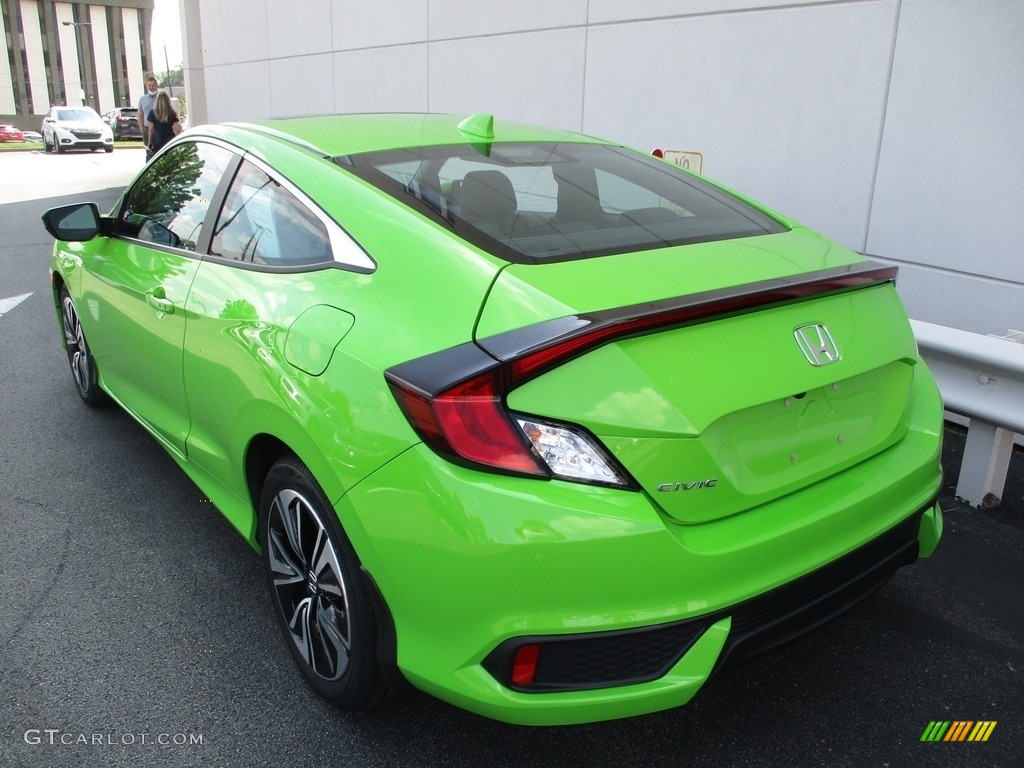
(6, 305)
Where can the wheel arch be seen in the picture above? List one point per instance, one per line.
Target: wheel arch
(263, 451)
(57, 282)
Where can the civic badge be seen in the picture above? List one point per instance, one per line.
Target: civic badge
(817, 344)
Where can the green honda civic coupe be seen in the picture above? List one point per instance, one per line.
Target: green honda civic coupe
(546, 427)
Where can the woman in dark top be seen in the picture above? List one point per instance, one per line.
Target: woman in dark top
(163, 123)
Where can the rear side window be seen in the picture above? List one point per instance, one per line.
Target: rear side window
(537, 203)
(263, 223)
(169, 202)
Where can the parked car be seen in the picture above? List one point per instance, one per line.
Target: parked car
(33, 136)
(547, 427)
(10, 133)
(124, 123)
(75, 128)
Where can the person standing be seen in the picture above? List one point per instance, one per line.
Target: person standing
(146, 104)
(163, 123)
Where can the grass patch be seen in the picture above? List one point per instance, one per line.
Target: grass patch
(22, 146)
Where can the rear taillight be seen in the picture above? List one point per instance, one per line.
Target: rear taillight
(456, 398)
(467, 422)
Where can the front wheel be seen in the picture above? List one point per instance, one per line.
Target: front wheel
(83, 367)
(321, 599)
(108, 150)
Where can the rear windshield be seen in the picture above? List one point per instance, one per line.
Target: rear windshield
(537, 203)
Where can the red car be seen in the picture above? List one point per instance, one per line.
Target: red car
(10, 133)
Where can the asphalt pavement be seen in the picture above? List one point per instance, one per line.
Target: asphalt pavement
(135, 629)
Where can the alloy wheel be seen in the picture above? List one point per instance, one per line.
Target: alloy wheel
(83, 367)
(309, 585)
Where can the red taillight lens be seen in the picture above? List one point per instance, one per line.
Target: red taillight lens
(468, 422)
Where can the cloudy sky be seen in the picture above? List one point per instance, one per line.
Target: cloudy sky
(166, 32)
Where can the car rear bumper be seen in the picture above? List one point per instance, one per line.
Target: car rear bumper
(474, 565)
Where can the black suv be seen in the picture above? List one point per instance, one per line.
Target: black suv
(124, 122)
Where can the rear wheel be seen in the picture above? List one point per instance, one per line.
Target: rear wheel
(322, 601)
(83, 368)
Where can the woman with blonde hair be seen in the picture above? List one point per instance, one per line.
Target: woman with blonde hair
(163, 123)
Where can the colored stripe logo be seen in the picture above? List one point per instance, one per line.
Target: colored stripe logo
(959, 730)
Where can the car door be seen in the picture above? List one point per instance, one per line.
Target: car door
(137, 283)
(261, 320)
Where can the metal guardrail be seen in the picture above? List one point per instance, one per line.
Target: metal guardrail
(981, 377)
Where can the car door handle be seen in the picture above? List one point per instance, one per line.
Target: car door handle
(160, 303)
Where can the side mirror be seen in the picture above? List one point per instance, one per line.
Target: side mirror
(47, 119)
(75, 223)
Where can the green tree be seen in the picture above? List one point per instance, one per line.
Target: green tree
(173, 77)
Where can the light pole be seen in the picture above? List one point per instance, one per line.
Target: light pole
(78, 47)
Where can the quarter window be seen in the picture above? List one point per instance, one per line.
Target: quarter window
(263, 223)
(169, 203)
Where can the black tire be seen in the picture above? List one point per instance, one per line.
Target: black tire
(108, 150)
(321, 598)
(46, 145)
(58, 146)
(83, 366)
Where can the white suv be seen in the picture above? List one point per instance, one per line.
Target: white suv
(76, 128)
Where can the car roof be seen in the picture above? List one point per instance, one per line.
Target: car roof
(339, 135)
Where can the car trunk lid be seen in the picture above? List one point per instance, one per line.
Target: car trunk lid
(722, 399)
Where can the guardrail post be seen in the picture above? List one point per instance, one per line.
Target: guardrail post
(982, 378)
(986, 461)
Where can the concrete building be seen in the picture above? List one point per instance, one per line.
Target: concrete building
(893, 126)
(94, 53)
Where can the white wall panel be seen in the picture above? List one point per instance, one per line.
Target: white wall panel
(69, 55)
(246, 92)
(216, 110)
(785, 106)
(531, 77)
(358, 24)
(951, 169)
(244, 31)
(299, 28)
(211, 47)
(465, 18)
(104, 85)
(302, 85)
(34, 53)
(133, 54)
(390, 79)
(980, 305)
(617, 10)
